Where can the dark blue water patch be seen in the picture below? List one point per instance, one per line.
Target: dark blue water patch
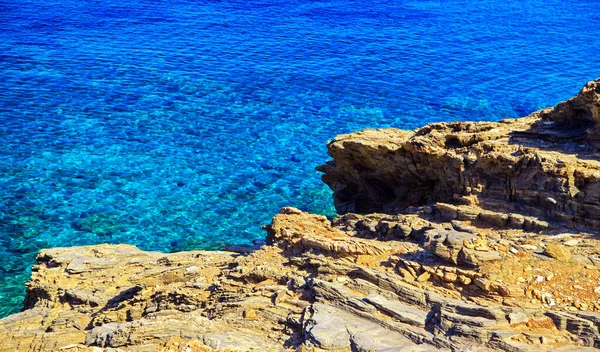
(178, 125)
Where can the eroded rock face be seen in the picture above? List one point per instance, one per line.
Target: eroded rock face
(583, 110)
(362, 282)
(542, 165)
(457, 237)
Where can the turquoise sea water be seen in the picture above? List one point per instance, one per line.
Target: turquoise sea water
(177, 125)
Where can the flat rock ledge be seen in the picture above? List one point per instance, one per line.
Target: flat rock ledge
(455, 237)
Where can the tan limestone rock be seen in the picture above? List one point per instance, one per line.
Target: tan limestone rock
(557, 252)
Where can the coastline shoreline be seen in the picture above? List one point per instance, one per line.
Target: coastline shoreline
(460, 235)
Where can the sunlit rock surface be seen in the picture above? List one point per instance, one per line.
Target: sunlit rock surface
(459, 236)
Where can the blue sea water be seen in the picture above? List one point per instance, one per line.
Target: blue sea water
(186, 124)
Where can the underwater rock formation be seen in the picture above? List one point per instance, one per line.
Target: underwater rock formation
(459, 236)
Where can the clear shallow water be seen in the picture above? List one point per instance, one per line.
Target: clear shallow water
(177, 125)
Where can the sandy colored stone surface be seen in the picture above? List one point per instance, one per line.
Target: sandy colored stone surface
(373, 281)
(545, 165)
(456, 237)
(558, 252)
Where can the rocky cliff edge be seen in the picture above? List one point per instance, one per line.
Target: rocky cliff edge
(458, 237)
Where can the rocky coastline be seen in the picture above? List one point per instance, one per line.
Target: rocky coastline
(455, 237)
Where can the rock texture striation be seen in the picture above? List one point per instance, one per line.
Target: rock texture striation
(456, 237)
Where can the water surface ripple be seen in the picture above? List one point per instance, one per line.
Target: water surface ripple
(177, 125)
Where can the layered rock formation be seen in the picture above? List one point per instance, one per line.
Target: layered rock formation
(459, 236)
(544, 165)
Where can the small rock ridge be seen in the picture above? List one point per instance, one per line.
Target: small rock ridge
(456, 237)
